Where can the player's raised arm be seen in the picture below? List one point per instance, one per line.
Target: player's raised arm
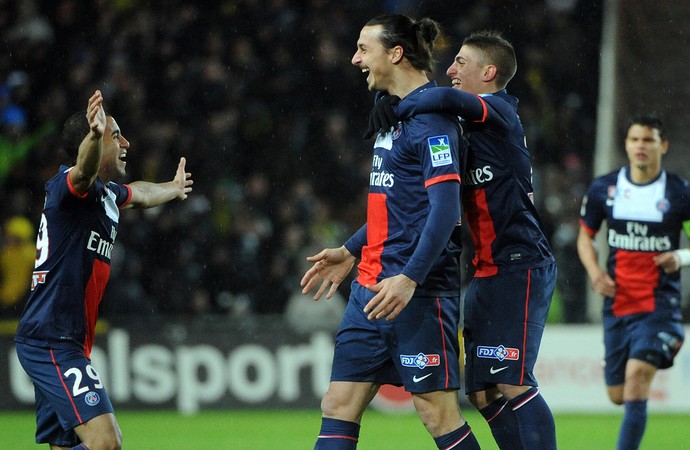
(85, 171)
(148, 195)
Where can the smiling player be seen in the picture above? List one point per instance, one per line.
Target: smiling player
(507, 301)
(74, 244)
(400, 326)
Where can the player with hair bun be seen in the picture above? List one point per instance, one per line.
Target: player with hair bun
(508, 299)
(400, 326)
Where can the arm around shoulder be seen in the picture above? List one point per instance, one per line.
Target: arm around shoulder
(443, 100)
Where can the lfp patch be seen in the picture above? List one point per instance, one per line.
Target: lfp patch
(439, 148)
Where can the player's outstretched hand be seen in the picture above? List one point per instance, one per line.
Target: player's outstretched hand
(183, 180)
(382, 116)
(331, 266)
(392, 295)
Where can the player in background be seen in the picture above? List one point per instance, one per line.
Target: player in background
(400, 326)
(75, 239)
(507, 301)
(645, 209)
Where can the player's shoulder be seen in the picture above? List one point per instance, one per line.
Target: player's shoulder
(602, 185)
(501, 101)
(606, 179)
(425, 122)
(675, 179)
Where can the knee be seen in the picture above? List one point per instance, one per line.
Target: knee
(616, 400)
(439, 411)
(479, 402)
(114, 442)
(433, 419)
(616, 395)
(329, 406)
(109, 441)
(338, 407)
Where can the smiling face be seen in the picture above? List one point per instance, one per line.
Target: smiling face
(114, 151)
(372, 58)
(468, 72)
(645, 147)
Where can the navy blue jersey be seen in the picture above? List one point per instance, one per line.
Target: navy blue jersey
(416, 155)
(73, 248)
(497, 192)
(643, 221)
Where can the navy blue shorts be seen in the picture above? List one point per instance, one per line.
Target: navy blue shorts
(68, 392)
(419, 349)
(505, 316)
(652, 337)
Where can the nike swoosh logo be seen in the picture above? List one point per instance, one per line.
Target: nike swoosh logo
(417, 380)
(495, 371)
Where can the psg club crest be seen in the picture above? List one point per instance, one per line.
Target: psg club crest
(397, 131)
(92, 398)
(611, 192)
(663, 205)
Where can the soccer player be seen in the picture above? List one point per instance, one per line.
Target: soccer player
(507, 301)
(400, 326)
(74, 244)
(645, 209)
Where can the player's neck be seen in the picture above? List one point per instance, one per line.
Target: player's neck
(407, 82)
(643, 174)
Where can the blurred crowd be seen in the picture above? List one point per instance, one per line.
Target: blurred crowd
(260, 96)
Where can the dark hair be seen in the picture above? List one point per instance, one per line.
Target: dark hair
(73, 132)
(648, 120)
(416, 38)
(498, 52)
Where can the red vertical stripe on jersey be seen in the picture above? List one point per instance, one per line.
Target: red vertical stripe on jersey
(62, 381)
(483, 233)
(636, 278)
(377, 232)
(524, 328)
(92, 297)
(443, 340)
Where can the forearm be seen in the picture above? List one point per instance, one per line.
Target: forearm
(443, 217)
(444, 100)
(588, 255)
(85, 170)
(148, 195)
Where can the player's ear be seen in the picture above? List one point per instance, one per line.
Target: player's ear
(664, 146)
(397, 54)
(490, 73)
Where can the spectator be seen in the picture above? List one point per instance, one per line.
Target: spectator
(17, 258)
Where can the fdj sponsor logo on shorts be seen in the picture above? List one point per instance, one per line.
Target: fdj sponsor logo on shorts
(439, 148)
(420, 360)
(500, 353)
